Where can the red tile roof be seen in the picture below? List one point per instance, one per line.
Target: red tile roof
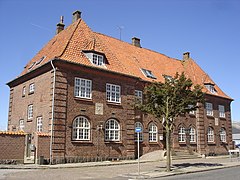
(13, 133)
(122, 57)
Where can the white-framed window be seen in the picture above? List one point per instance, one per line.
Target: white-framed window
(223, 135)
(191, 112)
(81, 129)
(148, 73)
(30, 111)
(181, 134)
(39, 124)
(24, 91)
(139, 125)
(192, 135)
(209, 109)
(112, 130)
(211, 88)
(83, 88)
(152, 132)
(221, 110)
(21, 124)
(31, 88)
(210, 134)
(138, 96)
(113, 93)
(98, 60)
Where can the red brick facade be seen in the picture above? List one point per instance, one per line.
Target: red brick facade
(71, 64)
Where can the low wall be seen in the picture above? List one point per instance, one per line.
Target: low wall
(12, 147)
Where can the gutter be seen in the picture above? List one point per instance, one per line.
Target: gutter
(52, 118)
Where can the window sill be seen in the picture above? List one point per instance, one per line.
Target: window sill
(112, 142)
(153, 143)
(211, 143)
(223, 143)
(210, 117)
(114, 103)
(82, 142)
(30, 120)
(222, 118)
(182, 143)
(83, 99)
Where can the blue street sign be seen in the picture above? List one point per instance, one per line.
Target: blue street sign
(138, 129)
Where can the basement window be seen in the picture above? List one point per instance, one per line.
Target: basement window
(148, 73)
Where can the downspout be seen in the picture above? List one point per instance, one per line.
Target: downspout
(52, 118)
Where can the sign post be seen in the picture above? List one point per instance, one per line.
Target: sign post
(138, 130)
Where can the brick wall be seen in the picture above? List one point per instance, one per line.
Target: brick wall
(43, 146)
(12, 146)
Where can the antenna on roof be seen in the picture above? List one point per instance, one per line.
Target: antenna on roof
(120, 31)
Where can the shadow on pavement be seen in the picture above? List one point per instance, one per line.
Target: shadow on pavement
(185, 165)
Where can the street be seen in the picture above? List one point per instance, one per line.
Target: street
(126, 171)
(232, 173)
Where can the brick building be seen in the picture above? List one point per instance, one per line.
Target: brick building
(81, 86)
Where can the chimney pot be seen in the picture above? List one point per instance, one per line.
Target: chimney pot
(60, 25)
(136, 42)
(76, 16)
(186, 55)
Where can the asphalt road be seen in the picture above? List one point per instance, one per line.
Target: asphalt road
(127, 171)
(219, 174)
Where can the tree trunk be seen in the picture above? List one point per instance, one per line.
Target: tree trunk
(168, 144)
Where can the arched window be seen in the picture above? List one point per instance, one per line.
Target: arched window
(138, 124)
(181, 134)
(210, 134)
(192, 134)
(223, 135)
(81, 129)
(152, 130)
(112, 130)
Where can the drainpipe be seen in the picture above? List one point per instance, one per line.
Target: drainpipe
(53, 97)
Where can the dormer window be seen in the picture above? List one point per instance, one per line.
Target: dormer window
(40, 60)
(167, 77)
(97, 60)
(211, 88)
(148, 73)
(31, 66)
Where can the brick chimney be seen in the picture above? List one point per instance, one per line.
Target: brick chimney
(76, 16)
(186, 55)
(136, 42)
(60, 26)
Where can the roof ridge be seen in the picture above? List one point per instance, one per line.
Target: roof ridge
(135, 46)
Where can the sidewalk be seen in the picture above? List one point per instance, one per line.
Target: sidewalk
(157, 168)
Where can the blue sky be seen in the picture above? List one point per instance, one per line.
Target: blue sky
(208, 29)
